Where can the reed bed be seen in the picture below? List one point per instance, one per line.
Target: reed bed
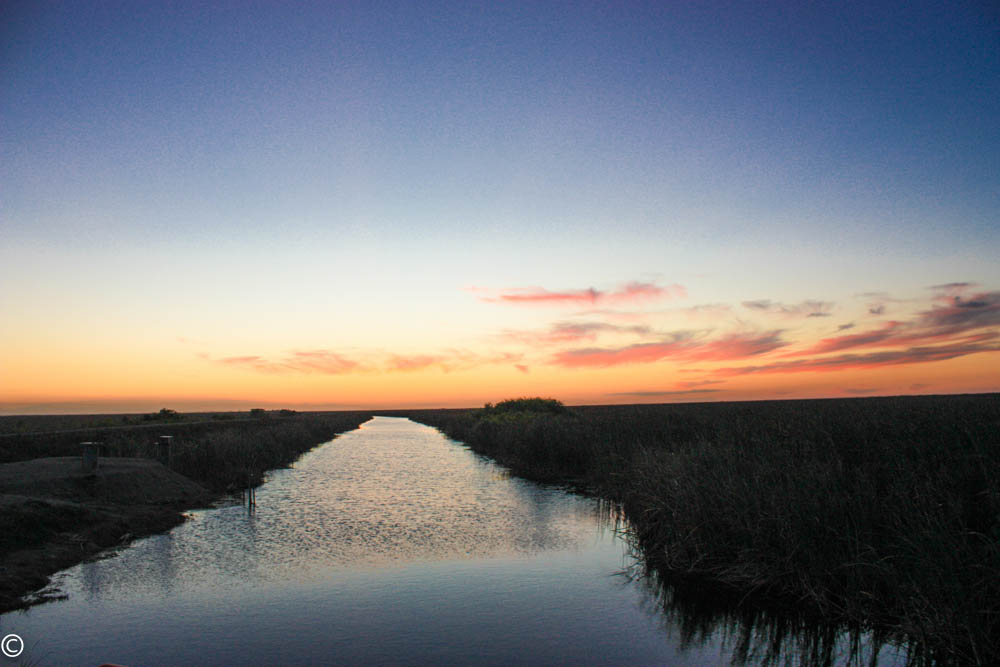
(875, 512)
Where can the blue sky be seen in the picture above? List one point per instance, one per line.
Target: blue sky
(358, 166)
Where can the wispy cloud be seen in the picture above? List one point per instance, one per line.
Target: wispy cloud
(690, 384)
(631, 354)
(254, 363)
(448, 361)
(913, 355)
(570, 332)
(737, 346)
(669, 392)
(312, 361)
(682, 345)
(533, 296)
(329, 363)
(414, 362)
(952, 288)
(847, 341)
(962, 314)
(711, 312)
(322, 361)
(958, 318)
(809, 308)
(955, 322)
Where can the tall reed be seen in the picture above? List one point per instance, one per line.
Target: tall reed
(879, 511)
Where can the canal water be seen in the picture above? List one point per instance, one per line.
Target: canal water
(390, 544)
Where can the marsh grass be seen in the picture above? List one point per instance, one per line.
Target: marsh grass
(878, 512)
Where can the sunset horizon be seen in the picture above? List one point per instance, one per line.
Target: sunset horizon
(341, 207)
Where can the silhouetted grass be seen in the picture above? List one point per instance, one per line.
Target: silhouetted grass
(876, 511)
(219, 454)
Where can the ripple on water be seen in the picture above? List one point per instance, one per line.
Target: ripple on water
(387, 494)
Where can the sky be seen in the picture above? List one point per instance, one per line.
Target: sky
(340, 205)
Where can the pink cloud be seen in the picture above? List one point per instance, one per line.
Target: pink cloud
(570, 332)
(451, 360)
(737, 346)
(254, 363)
(313, 361)
(683, 346)
(635, 291)
(865, 339)
(330, 363)
(413, 363)
(690, 384)
(322, 362)
(632, 354)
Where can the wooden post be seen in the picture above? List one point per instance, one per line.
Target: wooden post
(90, 454)
(251, 492)
(164, 452)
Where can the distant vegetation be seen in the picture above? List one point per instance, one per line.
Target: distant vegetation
(23, 424)
(522, 405)
(164, 415)
(874, 512)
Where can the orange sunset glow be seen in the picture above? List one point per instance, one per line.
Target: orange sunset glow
(365, 221)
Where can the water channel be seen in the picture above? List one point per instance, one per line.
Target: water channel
(389, 545)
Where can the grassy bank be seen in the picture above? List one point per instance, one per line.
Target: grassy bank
(58, 521)
(218, 451)
(878, 511)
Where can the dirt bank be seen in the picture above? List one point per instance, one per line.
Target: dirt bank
(53, 515)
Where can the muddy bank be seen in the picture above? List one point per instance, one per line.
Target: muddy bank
(53, 515)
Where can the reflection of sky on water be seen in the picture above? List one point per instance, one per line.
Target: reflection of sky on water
(389, 494)
(390, 545)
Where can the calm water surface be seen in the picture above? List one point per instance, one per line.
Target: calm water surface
(391, 545)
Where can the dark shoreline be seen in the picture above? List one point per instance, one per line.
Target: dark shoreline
(27, 572)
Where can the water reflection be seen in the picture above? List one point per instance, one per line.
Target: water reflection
(393, 545)
(391, 493)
